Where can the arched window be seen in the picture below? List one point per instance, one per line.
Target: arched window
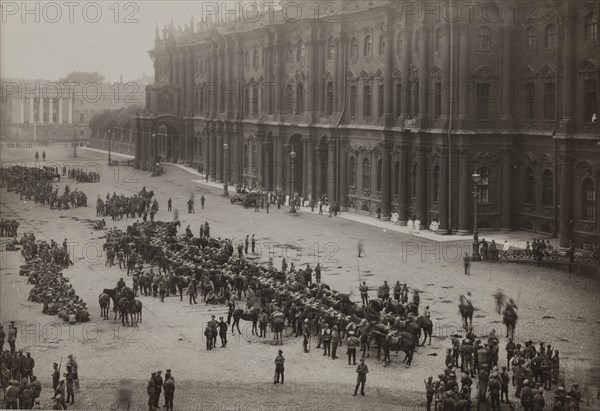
(378, 176)
(550, 37)
(352, 171)
(529, 101)
(591, 27)
(397, 175)
(484, 38)
(435, 195)
(588, 199)
(366, 175)
(437, 99)
(484, 185)
(368, 46)
(531, 43)
(399, 45)
(300, 98)
(590, 99)
(529, 186)
(354, 48)
(549, 101)
(353, 102)
(381, 45)
(547, 188)
(330, 97)
(367, 101)
(438, 39)
(330, 49)
(290, 50)
(246, 59)
(255, 59)
(380, 99)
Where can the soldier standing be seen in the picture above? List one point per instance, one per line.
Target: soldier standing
(151, 390)
(364, 293)
(279, 368)
(55, 376)
(352, 343)
(28, 364)
(158, 383)
(223, 332)
(361, 379)
(429, 391)
(504, 380)
(12, 336)
(246, 243)
(305, 343)
(318, 273)
(169, 387)
(69, 376)
(169, 205)
(467, 264)
(253, 243)
(202, 199)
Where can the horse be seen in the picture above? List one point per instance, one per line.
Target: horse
(509, 318)
(182, 283)
(400, 341)
(277, 325)
(104, 300)
(239, 314)
(135, 308)
(115, 296)
(123, 308)
(466, 311)
(425, 325)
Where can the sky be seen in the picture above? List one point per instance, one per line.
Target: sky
(49, 39)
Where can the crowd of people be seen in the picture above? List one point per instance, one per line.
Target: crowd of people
(534, 372)
(8, 227)
(36, 183)
(117, 206)
(81, 176)
(43, 264)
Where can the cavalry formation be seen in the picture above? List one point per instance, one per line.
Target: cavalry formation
(281, 298)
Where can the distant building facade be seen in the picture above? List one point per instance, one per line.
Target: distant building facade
(390, 107)
(45, 110)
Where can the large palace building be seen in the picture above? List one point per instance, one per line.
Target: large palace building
(392, 107)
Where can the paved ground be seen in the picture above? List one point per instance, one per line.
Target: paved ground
(554, 307)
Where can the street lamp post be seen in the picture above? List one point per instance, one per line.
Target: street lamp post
(292, 199)
(475, 254)
(75, 142)
(225, 191)
(109, 140)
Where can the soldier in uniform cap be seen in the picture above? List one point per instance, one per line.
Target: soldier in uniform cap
(55, 376)
(169, 387)
(222, 332)
(575, 395)
(151, 390)
(279, 367)
(306, 331)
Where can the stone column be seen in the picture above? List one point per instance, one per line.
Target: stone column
(388, 106)
(219, 158)
(229, 83)
(220, 80)
(304, 166)
(214, 81)
(406, 84)
(279, 77)
(447, 82)
(331, 172)
(463, 75)
(386, 183)
(505, 106)
(310, 164)
(339, 81)
(424, 80)
(237, 156)
(404, 188)
(21, 110)
(60, 110)
(464, 192)
(213, 154)
(443, 205)
(343, 173)
(507, 188)
(50, 110)
(566, 161)
(311, 88)
(41, 110)
(267, 164)
(422, 208)
(280, 163)
(321, 89)
(567, 124)
(268, 86)
(259, 166)
(70, 110)
(31, 117)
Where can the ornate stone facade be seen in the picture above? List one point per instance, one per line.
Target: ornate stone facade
(392, 108)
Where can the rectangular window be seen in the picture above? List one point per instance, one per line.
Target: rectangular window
(549, 101)
(352, 101)
(380, 98)
(398, 99)
(367, 101)
(437, 109)
(483, 101)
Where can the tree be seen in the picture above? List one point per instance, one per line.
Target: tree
(83, 77)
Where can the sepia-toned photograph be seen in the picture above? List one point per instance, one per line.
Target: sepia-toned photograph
(290, 205)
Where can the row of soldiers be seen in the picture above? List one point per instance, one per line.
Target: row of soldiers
(8, 228)
(534, 372)
(81, 176)
(17, 365)
(119, 206)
